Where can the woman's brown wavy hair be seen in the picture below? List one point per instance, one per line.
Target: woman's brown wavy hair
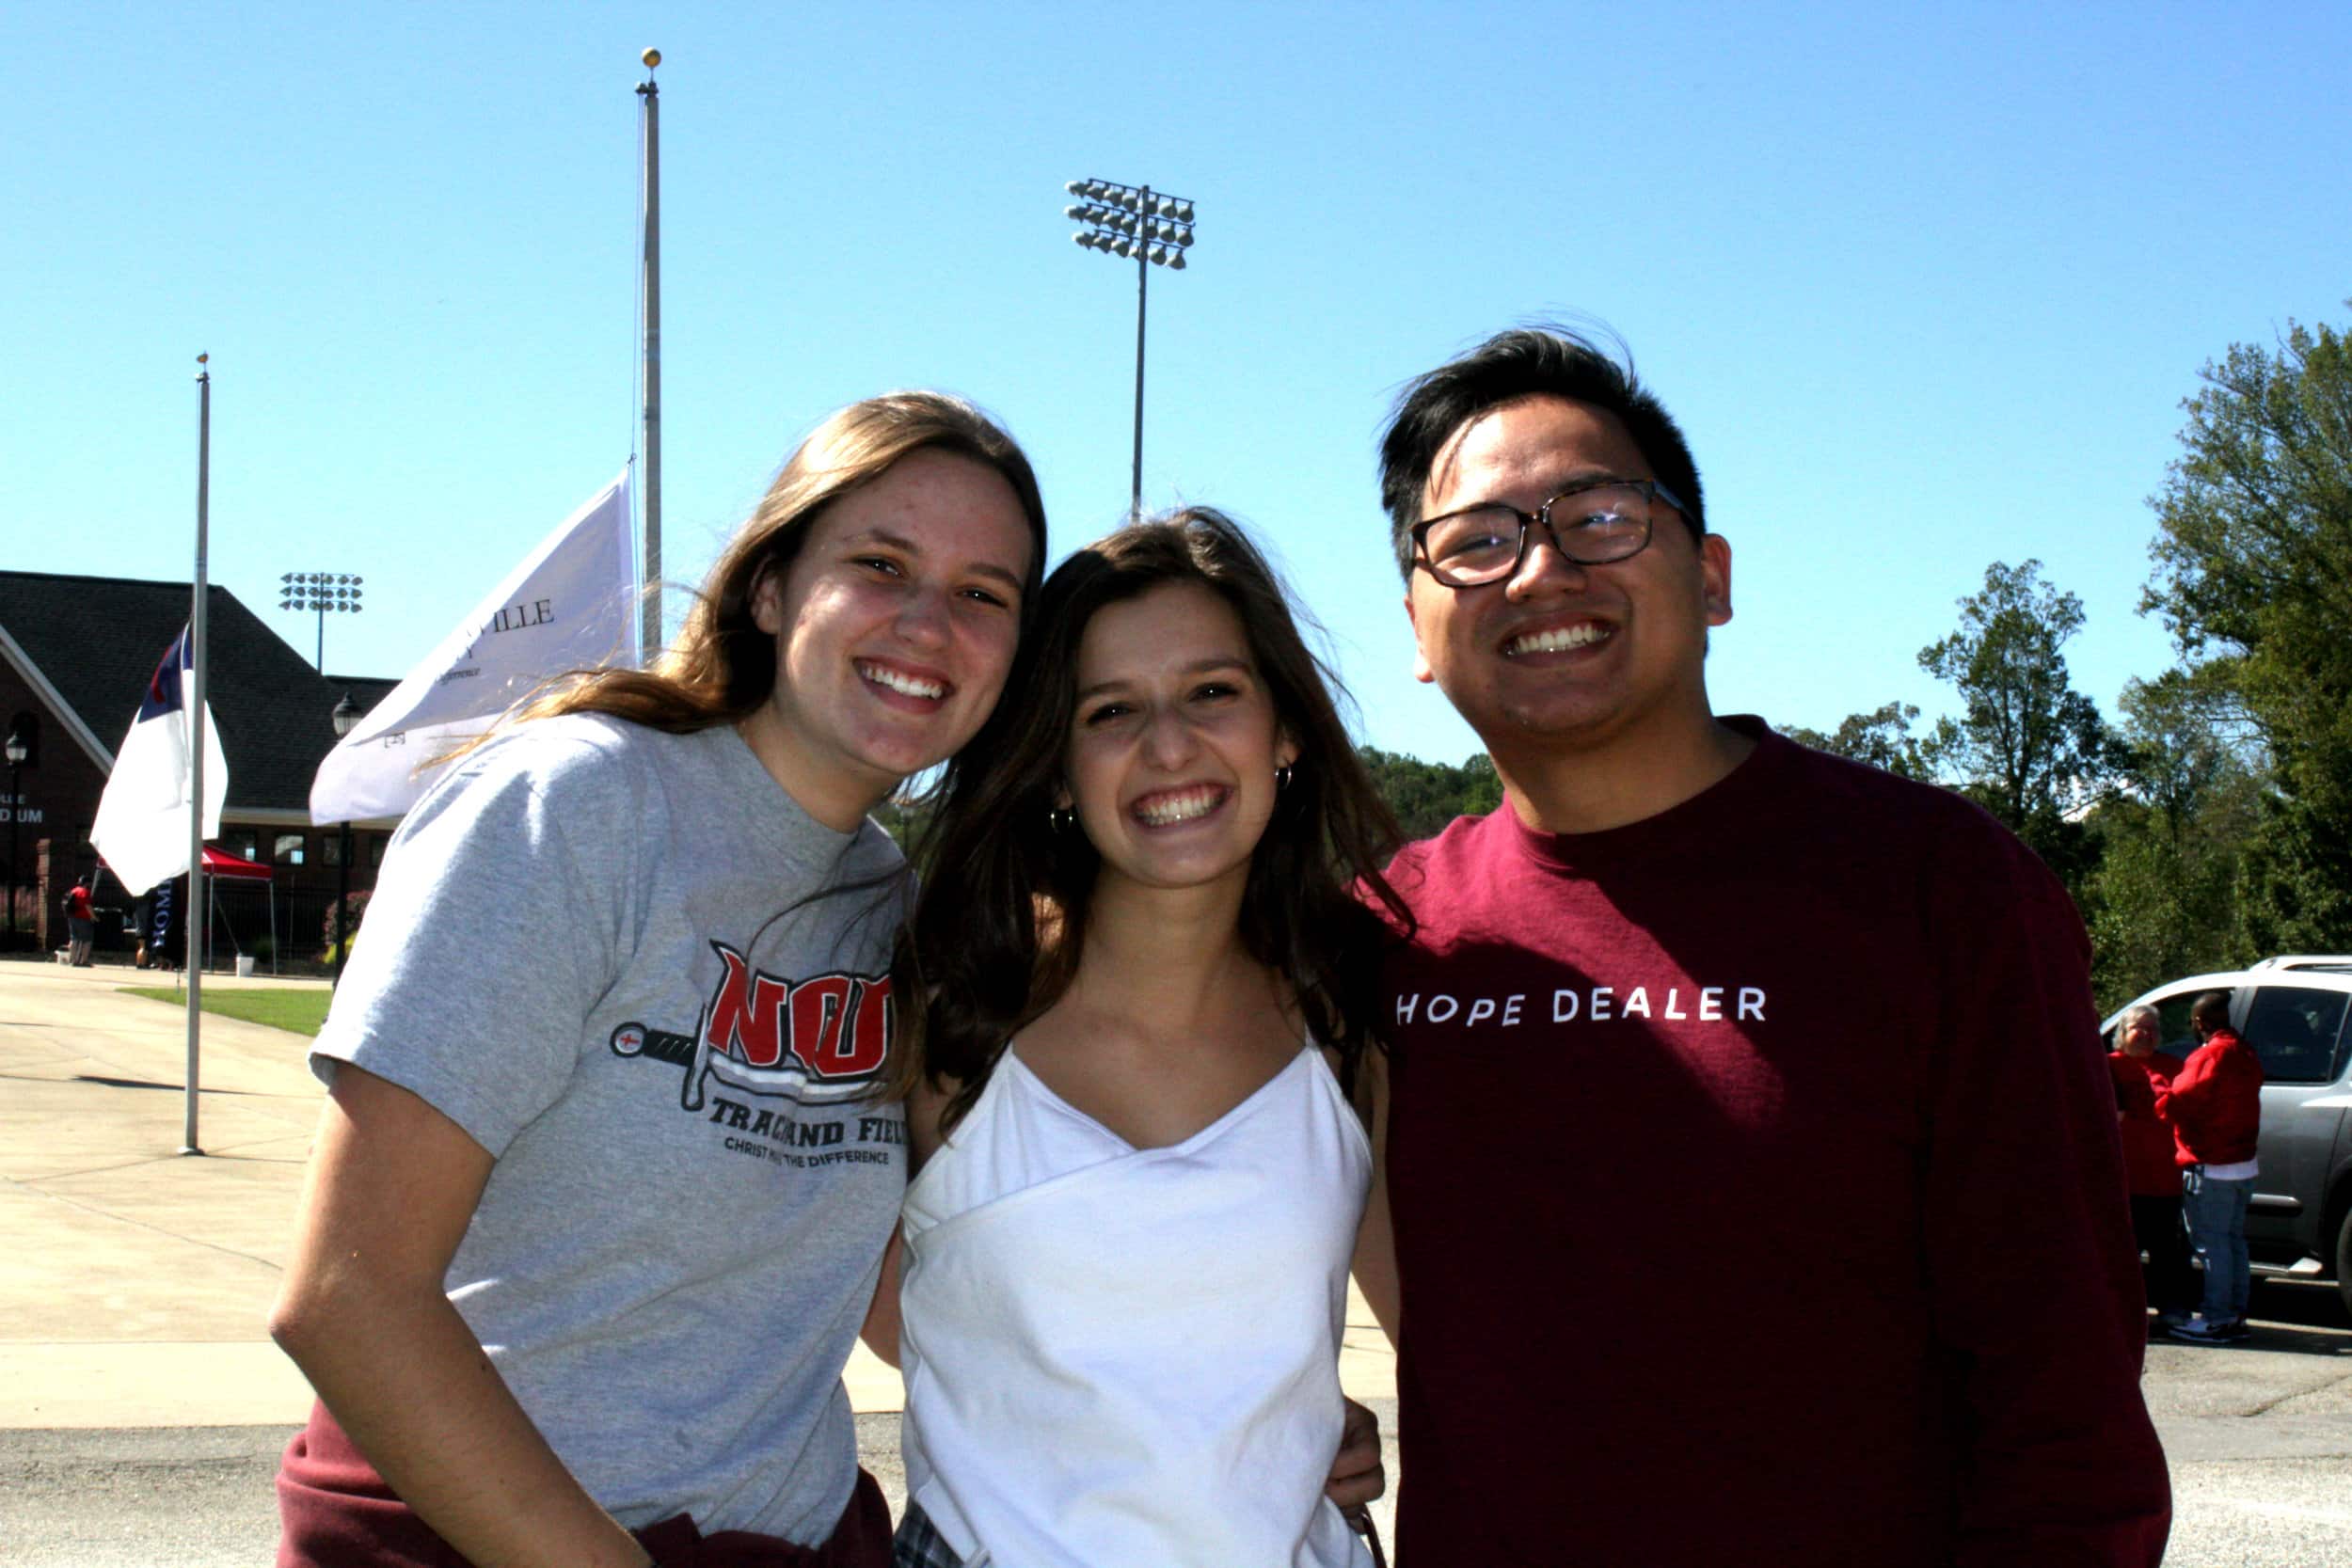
(1000, 922)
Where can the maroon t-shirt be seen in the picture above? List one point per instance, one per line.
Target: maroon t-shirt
(1757, 1195)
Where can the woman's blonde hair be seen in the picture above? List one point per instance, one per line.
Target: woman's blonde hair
(723, 666)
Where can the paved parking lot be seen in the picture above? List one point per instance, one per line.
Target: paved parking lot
(2260, 1435)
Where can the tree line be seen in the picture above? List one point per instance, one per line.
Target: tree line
(2211, 822)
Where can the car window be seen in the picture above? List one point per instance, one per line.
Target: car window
(2298, 1033)
(2173, 1024)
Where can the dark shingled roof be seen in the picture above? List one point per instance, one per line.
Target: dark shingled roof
(97, 640)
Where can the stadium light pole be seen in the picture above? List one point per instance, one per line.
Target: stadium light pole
(1153, 228)
(346, 718)
(322, 592)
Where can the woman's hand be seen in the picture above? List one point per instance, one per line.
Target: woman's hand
(1357, 1475)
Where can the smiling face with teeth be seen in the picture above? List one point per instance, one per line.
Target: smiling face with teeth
(1174, 742)
(1561, 662)
(895, 627)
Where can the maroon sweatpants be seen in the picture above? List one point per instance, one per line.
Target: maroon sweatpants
(335, 1512)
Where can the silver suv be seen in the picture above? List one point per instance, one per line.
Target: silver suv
(2292, 1010)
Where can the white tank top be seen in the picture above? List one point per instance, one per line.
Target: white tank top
(1129, 1358)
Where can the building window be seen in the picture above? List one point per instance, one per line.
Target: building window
(330, 848)
(375, 848)
(289, 850)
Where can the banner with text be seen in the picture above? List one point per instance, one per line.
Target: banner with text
(570, 605)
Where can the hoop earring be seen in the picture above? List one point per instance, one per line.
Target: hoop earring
(1282, 778)
(1060, 818)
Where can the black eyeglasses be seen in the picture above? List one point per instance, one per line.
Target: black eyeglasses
(1591, 524)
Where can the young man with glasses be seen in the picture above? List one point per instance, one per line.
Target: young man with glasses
(1752, 1160)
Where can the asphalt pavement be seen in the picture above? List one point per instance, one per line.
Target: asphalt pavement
(142, 1405)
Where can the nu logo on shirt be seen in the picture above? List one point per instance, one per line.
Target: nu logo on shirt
(815, 1041)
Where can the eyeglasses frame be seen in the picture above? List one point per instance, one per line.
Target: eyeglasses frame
(1652, 490)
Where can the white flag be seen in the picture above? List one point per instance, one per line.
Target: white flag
(142, 823)
(570, 605)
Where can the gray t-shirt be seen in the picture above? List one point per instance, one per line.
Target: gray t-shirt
(579, 952)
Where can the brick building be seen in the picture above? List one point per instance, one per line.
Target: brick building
(76, 654)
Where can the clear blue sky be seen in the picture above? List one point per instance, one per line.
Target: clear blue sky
(1926, 289)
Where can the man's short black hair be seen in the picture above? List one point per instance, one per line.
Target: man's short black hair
(1526, 361)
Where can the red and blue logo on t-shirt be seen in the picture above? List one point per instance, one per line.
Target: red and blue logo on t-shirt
(817, 1040)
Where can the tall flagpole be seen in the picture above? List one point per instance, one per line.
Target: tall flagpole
(651, 637)
(193, 916)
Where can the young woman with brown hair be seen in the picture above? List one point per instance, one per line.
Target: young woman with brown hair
(1139, 986)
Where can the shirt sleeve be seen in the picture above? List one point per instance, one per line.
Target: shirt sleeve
(2194, 1092)
(2039, 1312)
(496, 927)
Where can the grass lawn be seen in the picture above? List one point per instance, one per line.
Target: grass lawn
(301, 1011)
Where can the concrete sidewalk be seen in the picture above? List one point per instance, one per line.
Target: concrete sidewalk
(137, 1279)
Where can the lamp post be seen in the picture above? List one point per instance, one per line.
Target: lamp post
(17, 753)
(1153, 228)
(322, 592)
(346, 715)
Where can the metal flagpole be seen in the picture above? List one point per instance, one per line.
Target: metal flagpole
(652, 95)
(194, 723)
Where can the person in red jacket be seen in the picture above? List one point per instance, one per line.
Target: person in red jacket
(81, 926)
(2215, 1104)
(2140, 1070)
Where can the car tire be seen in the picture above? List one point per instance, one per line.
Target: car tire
(2344, 1258)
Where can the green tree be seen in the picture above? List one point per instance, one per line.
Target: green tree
(1425, 796)
(904, 815)
(2026, 746)
(1883, 738)
(2253, 578)
(2182, 737)
(2163, 900)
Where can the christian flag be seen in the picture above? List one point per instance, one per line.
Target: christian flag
(571, 603)
(142, 825)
